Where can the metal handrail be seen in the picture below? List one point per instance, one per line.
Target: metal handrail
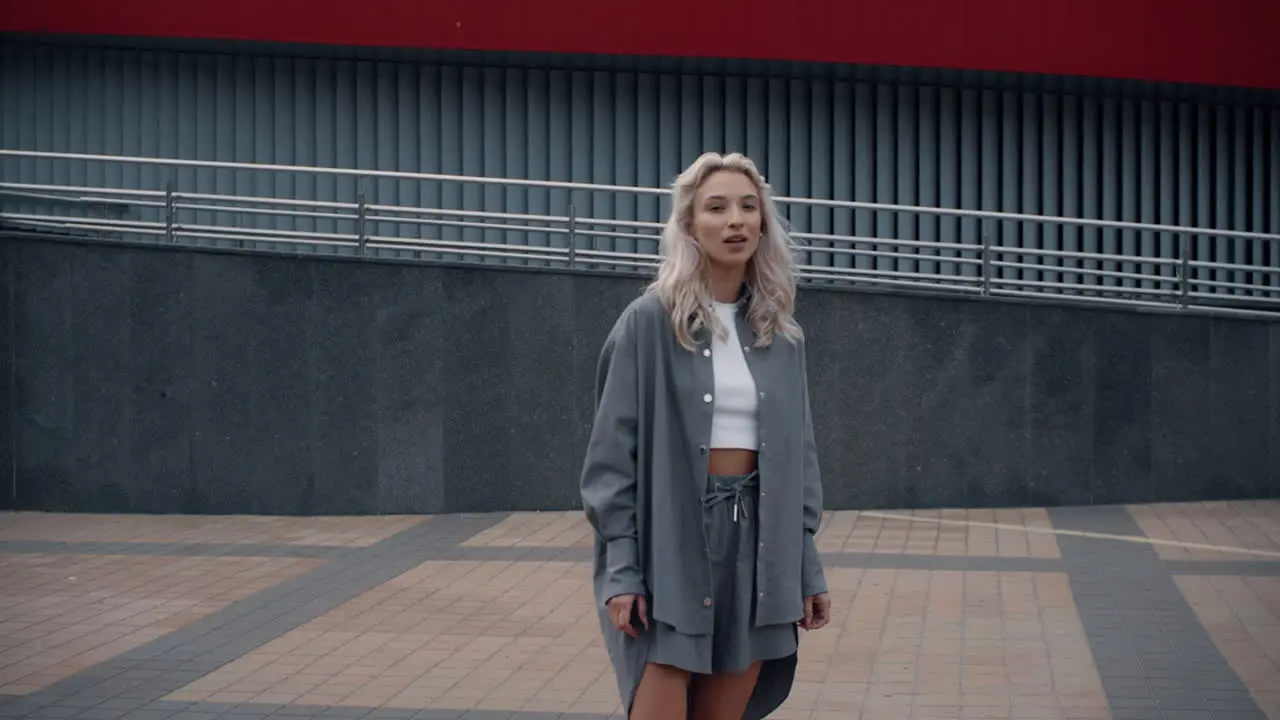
(1163, 282)
(475, 217)
(5, 189)
(637, 190)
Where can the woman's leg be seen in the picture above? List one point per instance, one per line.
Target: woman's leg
(663, 694)
(724, 696)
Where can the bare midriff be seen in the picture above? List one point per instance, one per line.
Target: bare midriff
(731, 461)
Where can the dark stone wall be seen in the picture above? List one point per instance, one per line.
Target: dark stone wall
(8, 417)
(1274, 463)
(151, 380)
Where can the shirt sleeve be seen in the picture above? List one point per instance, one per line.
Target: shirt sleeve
(608, 482)
(813, 579)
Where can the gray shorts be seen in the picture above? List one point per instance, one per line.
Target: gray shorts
(729, 519)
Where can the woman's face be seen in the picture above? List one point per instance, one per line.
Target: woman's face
(727, 221)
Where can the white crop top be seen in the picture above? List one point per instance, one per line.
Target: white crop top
(733, 422)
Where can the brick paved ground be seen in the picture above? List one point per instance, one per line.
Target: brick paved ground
(1161, 611)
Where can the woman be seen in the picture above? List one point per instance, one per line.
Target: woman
(701, 475)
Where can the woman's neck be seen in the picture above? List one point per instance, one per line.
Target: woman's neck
(725, 283)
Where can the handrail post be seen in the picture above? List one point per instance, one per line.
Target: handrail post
(986, 260)
(1184, 282)
(361, 237)
(573, 237)
(168, 211)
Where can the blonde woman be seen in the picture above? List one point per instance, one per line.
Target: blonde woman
(701, 475)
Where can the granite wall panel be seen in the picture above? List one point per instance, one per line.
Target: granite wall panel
(1239, 408)
(153, 380)
(44, 419)
(8, 418)
(1271, 486)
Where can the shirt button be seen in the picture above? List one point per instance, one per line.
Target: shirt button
(702, 449)
(706, 398)
(761, 395)
(706, 602)
(706, 352)
(746, 348)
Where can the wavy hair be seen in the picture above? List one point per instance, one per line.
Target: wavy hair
(681, 283)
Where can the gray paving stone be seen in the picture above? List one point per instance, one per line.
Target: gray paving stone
(344, 713)
(895, 561)
(1258, 568)
(196, 714)
(1127, 713)
(186, 549)
(123, 702)
(1153, 655)
(514, 554)
(190, 652)
(103, 713)
(439, 715)
(60, 711)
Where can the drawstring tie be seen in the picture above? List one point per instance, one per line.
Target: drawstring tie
(733, 493)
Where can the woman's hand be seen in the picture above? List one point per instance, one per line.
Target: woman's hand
(817, 611)
(620, 611)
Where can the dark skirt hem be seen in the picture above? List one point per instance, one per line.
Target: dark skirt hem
(630, 657)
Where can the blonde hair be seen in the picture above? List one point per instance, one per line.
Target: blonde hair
(681, 284)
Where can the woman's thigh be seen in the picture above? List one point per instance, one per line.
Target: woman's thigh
(724, 696)
(663, 693)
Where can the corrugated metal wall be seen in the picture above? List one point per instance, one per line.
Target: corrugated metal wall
(1172, 161)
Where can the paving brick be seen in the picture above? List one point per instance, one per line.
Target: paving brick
(950, 532)
(340, 531)
(1242, 616)
(913, 643)
(60, 615)
(541, 529)
(1246, 524)
(158, 548)
(953, 615)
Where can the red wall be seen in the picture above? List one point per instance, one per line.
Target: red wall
(1220, 42)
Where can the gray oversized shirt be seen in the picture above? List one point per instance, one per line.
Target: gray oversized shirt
(645, 471)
